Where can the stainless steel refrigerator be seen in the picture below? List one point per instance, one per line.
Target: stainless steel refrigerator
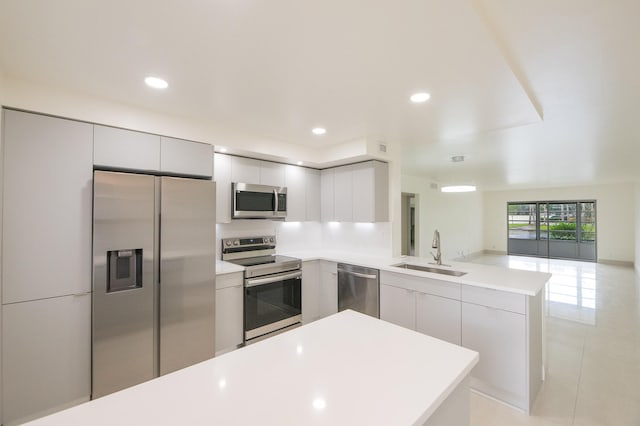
(153, 277)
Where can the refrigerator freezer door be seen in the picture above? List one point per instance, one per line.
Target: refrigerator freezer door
(123, 321)
(187, 272)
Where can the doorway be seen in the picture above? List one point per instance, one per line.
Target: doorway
(553, 229)
(409, 224)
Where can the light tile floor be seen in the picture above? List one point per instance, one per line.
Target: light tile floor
(592, 347)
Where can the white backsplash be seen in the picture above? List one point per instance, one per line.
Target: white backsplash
(361, 238)
(364, 238)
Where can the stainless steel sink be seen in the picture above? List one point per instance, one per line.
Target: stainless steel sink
(430, 269)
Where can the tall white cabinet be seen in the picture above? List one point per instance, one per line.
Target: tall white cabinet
(46, 264)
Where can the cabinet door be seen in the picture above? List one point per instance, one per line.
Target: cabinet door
(125, 149)
(245, 170)
(499, 337)
(47, 207)
(329, 289)
(311, 291)
(364, 196)
(312, 182)
(438, 317)
(229, 315)
(186, 157)
(222, 177)
(327, 211)
(370, 195)
(398, 306)
(343, 193)
(46, 356)
(296, 193)
(272, 173)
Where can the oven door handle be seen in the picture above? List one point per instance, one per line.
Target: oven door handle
(252, 282)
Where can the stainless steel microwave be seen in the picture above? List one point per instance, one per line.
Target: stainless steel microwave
(252, 201)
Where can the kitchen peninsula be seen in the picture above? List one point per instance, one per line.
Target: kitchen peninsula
(345, 369)
(495, 311)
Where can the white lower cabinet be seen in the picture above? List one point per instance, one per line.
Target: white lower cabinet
(49, 372)
(398, 306)
(229, 311)
(319, 289)
(500, 338)
(438, 317)
(311, 291)
(328, 288)
(435, 316)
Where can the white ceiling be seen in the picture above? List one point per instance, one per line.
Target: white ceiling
(534, 93)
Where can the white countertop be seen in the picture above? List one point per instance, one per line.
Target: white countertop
(223, 267)
(345, 369)
(512, 280)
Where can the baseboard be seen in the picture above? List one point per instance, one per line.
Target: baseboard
(626, 263)
(496, 252)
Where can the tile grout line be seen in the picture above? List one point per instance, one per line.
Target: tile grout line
(575, 403)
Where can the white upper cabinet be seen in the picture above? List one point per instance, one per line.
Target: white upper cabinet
(125, 149)
(327, 211)
(245, 170)
(303, 193)
(131, 150)
(48, 172)
(356, 193)
(186, 157)
(343, 193)
(370, 192)
(296, 193)
(272, 173)
(312, 184)
(222, 177)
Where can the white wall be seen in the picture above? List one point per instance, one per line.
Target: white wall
(616, 218)
(457, 216)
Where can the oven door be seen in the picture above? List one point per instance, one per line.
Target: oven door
(272, 303)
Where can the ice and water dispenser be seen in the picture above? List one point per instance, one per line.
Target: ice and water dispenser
(124, 269)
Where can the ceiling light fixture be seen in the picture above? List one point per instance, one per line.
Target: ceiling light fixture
(156, 83)
(457, 158)
(418, 98)
(299, 163)
(222, 149)
(458, 188)
(318, 131)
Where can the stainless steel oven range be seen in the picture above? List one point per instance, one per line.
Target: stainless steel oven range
(272, 286)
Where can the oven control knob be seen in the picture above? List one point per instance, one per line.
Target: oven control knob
(271, 240)
(236, 242)
(228, 243)
(265, 240)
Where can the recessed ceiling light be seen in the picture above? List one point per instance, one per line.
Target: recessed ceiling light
(299, 163)
(457, 158)
(418, 98)
(319, 131)
(222, 149)
(458, 188)
(156, 83)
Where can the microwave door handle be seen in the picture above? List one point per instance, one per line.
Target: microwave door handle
(275, 196)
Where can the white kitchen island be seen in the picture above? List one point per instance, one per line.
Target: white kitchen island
(345, 369)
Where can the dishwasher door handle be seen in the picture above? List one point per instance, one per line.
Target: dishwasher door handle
(359, 275)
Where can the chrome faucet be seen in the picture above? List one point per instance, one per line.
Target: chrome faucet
(436, 245)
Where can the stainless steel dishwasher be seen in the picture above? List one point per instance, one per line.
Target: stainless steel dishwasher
(359, 289)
